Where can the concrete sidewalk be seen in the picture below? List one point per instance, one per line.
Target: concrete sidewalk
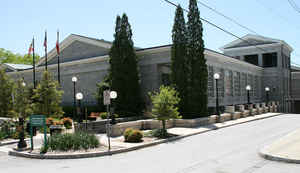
(286, 149)
(119, 146)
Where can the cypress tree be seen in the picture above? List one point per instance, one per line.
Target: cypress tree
(198, 69)
(179, 68)
(124, 70)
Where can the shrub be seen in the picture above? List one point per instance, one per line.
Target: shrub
(67, 122)
(103, 115)
(73, 141)
(131, 135)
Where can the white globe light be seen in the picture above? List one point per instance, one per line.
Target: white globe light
(113, 94)
(79, 96)
(248, 87)
(267, 89)
(23, 84)
(216, 76)
(74, 79)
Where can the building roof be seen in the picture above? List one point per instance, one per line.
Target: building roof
(254, 40)
(17, 67)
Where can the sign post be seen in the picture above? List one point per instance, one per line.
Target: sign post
(38, 121)
(106, 101)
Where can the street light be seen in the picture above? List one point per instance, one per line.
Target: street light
(217, 77)
(74, 80)
(79, 97)
(267, 89)
(22, 143)
(248, 88)
(113, 95)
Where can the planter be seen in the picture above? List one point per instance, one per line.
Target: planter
(56, 129)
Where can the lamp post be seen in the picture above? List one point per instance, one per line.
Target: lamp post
(79, 97)
(22, 143)
(113, 95)
(217, 77)
(74, 80)
(248, 88)
(267, 89)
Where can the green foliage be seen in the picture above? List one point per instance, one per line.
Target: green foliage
(103, 115)
(8, 130)
(44, 149)
(196, 61)
(132, 135)
(164, 104)
(48, 97)
(67, 122)
(9, 57)
(179, 67)
(22, 102)
(158, 133)
(6, 89)
(72, 141)
(123, 74)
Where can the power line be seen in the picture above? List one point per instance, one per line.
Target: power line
(294, 5)
(229, 18)
(220, 28)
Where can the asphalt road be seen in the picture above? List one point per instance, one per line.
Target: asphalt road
(229, 150)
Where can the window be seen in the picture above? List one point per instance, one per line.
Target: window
(252, 59)
(229, 83)
(251, 82)
(210, 81)
(256, 88)
(270, 59)
(221, 83)
(237, 83)
(243, 84)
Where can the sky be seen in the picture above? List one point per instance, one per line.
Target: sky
(151, 21)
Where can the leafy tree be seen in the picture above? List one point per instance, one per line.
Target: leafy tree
(9, 57)
(47, 97)
(124, 75)
(21, 108)
(196, 61)
(6, 89)
(164, 105)
(179, 66)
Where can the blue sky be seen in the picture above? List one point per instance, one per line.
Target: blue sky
(151, 21)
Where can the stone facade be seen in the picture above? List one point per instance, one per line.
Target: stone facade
(154, 67)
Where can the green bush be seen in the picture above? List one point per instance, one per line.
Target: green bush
(103, 115)
(73, 141)
(131, 135)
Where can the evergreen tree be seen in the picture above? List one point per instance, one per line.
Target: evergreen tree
(124, 70)
(179, 68)
(6, 89)
(47, 97)
(198, 69)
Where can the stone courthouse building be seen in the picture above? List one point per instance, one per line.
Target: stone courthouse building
(265, 62)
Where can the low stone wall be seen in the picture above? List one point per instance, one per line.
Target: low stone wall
(119, 128)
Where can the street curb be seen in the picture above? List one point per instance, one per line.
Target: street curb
(264, 154)
(123, 150)
(11, 142)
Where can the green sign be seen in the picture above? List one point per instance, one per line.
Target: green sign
(38, 121)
